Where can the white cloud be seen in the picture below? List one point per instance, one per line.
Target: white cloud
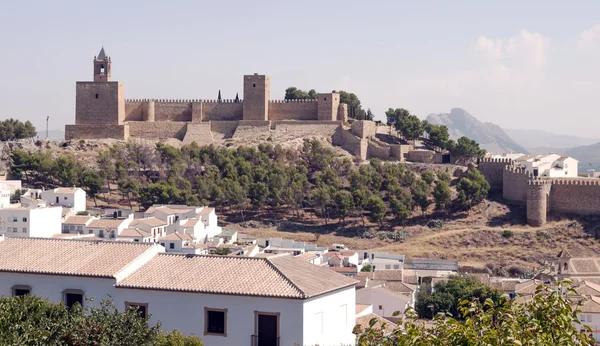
(589, 40)
(525, 50)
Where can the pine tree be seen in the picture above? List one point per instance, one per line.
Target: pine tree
(237, 98)
(219, 97)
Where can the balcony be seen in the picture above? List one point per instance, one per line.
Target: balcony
(264, 341)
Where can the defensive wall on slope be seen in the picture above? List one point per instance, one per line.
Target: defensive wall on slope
(100, 131)
(543, 196)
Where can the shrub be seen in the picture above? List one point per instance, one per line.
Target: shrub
(507, 233)
(83, 212)
(366, 268)
(428, 177)
(435, 223)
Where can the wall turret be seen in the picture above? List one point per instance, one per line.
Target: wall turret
(538, 201)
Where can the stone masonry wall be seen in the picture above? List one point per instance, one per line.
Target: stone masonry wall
(99, 103)
(363, 128)
(356, 146)
(378, 151)
(157, 130)
(294, 110)
(92, 131)
(224, 128)
(538, 192)
(172, 111)
(253, 130)
(424, 156)
(514, 184)
(229, 110)
(575, 196)
(493, 171)
(134, 111)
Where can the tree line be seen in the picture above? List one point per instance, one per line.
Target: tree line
(355, 110)
(263, 179)
(13, 129)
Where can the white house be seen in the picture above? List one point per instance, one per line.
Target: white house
(549, 166)
(5, 195)
(69, 197)
(181, 242)
(76, 224)
(382, 260)
(199, 221)
(419, 268)
(135, 235)
(11, 185)
(108, 228)
(30, 222)
(226, 300)
(156, 227)
(384, 301)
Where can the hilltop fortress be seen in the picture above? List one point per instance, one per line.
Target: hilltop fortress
(561, 196)
(103, 112)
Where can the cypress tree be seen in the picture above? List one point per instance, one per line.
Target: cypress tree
(219, 97)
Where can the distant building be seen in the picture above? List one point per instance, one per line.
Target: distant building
(548, 166)
(69, 197)
(21, 221)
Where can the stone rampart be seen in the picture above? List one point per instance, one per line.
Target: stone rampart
(252, 130)
(424, 156)
(99, 131)
(199, 133)
(514, 184)
(293, 110)
(223, 128)
(538, 197)
(493, 171)
(400, 151)
(575, 196)
(157, 130)
(172, 111)
(363, 128)
(224, 110)
(134, 111)
(356, 146)
(374, 150)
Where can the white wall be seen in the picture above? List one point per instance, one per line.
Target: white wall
(388, 300)
(185, 312)
(76, 200)
(594, 323)
(40, 222)
(330, 318)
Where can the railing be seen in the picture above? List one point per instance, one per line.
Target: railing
(264, 340)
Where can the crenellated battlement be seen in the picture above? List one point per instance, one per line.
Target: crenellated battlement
(182, 101)
(587, 182)
(538, 181)
(496, 160)
(293, 101)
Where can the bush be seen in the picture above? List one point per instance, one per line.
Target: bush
(507, 233)
(435, 223)
(428, 177)
(366, 268)
(83, 212)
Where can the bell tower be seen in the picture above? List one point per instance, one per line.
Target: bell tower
(102, 67)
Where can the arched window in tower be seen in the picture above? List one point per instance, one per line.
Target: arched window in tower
(565, 266)
(101, 68)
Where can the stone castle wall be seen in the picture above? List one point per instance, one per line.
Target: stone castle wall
(96, 131)
(299, 110)
(363, 128)
(230, 110)
(514, 184)
(493, 171)
(157, 130)
(134, 111)
(99, 103)
(538, 197)
(575, 196)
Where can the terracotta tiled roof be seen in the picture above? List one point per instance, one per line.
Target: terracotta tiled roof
(343, 269)
(150, 221)
(527, 287)
(364, 322)
(105, 223)
(388, 275)
(66, 190)
(77, 220)
(178, 236)
(270, 277)
(588, 288)
(134, 232)
(68, 257)
(592, 305)
(190, 222)
(307, 256)
(400, 287)
(206, 211)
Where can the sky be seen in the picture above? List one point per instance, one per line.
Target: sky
(519, 64)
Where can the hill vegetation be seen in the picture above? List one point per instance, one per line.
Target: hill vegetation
(12, 129)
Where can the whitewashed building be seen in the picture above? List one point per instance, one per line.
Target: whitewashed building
(156, 227)
(135, 235)
(106, 228)
(30, 222)
(201, 222)
(68, 197)
(76, 224)
(549, 166)
(225, 300)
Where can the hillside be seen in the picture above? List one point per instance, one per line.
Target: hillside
(543, 139)
(588, 156)
(490, 136)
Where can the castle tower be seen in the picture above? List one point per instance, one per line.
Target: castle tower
(101, 102)
(102, 67)
(327, 106)
(257, 92)
(538, 200)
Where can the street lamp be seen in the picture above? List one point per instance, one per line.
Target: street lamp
(47, 118)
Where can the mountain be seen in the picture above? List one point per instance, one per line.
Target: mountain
(588, 156)
(542, 139)
(489, 136)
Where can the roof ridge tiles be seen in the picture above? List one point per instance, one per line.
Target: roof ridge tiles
(274, 266)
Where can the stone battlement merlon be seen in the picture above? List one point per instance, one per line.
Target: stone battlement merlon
(294, 101)
(496, 160)
(181, 101)
(575, 181)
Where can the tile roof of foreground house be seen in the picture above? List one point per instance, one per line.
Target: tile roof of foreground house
(68, 257)
(284, 277)
(206, 211)
(592, 305)
(77, 220)
(178, 236)
(584, 265)
(66, 190)
(588, 288)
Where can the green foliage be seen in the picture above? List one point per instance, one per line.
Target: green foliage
(550, 318)
(355, 110)
(222, 251)
(466, 149)
(420, 194)
(428, 176)
(445, 176)
(293, 93)
(447, 295)
(442, 195)
(13, 129)
(377, 208)
(438, 135)
(366, 268)
(408, 125)
(219, 96)
(30, 320)
(472, 188)
(507, 233)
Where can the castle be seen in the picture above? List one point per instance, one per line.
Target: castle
(102, 111)
(562, 196)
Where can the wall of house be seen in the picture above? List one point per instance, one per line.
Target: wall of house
(44, 222)
(329, 319)
(293, 110)
(384, 298)
(76, 200)
(166, 307)
(48, 287)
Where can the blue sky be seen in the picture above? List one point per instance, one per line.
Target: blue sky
(518, 64)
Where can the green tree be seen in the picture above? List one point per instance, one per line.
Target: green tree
(366, 268)
(355, 110)
(428, 176)
(400, 209)
(443, 175)
(472, 189)
(219, 96)
(465, 150)
(222, 251)
(409, 126)
(66, 170)
(442, 195)
(420, 194)
(92, 182)
(237, 98)
(12, 130)
(293, 93)
(344, 204)
(438, 135)
(377, 208)
(130, 188)
(176, 338)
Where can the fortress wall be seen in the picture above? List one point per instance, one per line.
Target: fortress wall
(515, 184)
(225, 110)
(253, 130)
(493, 171)
(305, 110)
(96, 131)
(289, 129)
(342, 114)
(134, 111)
(575, 196)
(399, 151)
(172, 111)
(157, 130)
(364, 128)
(199, 133)
(378, 151)
(424, 156)
(538, 195)
(226, 128)
(345, 139)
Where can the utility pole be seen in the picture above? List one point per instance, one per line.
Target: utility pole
(47, 118)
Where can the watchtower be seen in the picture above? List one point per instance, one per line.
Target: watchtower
(102, 67)
(101, 102)
(327, 105)
(257, 92)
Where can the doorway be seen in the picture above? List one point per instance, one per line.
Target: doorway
(266, 329)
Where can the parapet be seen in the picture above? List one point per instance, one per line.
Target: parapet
(538, 181)
(590, 182)
(293, 101)
(496, 160)
(183, 101)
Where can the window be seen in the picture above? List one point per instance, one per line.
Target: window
(72, 227)
(162, 244)
(396, 266)
(215, 322)
(80, 228)
(142, 308)
(171, 245)
(254, 85)
(589, 318)
(96, 95)
(136, 240)
(24, 219)
(15, 230)
(380, 307)
(20, 290)
(387, 266)
(91, 231)
(65, 198)
(101, 233)
(15, 219)
(24, 229)
(72, 297)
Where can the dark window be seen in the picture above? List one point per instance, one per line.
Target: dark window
(565, 266)
(324, 98)
(163, 244)
(20, 290)
(215, 322)
(72, 298)
(142, 309)
(96, 95)
(24, 219)
(171, 245)
(20, 293)
(254, 85)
